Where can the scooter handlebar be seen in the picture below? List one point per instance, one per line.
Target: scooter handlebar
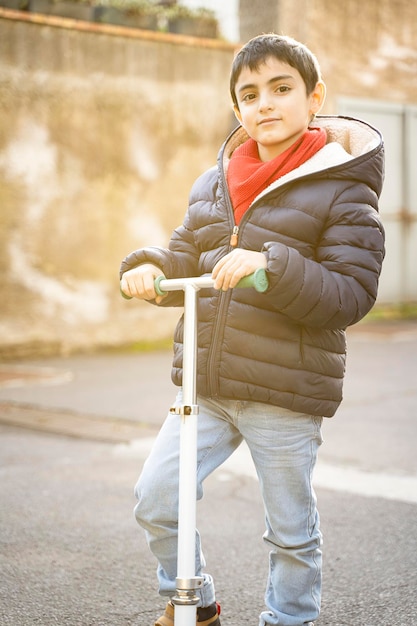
(257, 280)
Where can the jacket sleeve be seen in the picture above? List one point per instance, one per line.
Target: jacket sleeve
(176, 261)
(338, 286)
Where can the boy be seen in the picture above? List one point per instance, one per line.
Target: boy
(298, 196)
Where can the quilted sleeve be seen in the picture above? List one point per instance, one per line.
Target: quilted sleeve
(337, 287)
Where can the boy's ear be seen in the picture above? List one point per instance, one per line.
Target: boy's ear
(317, 97)
(237, 113)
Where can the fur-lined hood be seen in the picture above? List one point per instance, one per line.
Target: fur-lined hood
(350, 143)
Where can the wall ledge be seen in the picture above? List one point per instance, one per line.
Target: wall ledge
(115, 31)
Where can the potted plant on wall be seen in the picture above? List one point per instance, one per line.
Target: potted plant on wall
(183, 20)
(75, 9)
(165, 15)
(17, 5)
(134, 13)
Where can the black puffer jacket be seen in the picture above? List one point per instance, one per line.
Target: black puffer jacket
(324, 243)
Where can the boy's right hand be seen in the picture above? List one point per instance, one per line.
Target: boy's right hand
(139, 282)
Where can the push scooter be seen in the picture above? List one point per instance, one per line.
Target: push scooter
(187, 583)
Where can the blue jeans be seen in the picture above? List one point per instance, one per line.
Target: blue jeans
(284, 446)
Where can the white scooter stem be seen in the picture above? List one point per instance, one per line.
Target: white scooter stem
(187, 583)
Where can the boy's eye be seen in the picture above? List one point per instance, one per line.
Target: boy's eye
(279, 89)
(248, 96)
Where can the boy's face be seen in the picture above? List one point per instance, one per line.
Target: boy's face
(274, 107)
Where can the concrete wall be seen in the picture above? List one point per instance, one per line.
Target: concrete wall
(366, 49)
(102, 132)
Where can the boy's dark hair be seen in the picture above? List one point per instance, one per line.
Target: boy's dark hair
(285, 49)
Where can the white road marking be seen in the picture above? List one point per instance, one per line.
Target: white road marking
(398, 487)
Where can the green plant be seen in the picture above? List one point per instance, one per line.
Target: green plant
(89, 3)
(179, 11)
(139, 7)
(392, 312)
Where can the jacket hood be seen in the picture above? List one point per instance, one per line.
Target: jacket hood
(354, 149)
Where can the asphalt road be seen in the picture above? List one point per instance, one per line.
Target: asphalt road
(75, 432)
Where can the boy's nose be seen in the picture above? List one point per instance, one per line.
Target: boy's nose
(265, 103)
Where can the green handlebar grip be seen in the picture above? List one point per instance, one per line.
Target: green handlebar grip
(156, 284)
(258, 280)
(125, 296)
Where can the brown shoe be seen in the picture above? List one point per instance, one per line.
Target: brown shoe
(209, 615)
(206, 616)
(167, 619)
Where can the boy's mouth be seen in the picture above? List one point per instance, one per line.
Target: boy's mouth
(268, 120)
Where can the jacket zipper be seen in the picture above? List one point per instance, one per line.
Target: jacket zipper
(234, 236)
(224, 299)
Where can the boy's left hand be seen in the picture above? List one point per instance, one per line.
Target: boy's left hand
(234, 266)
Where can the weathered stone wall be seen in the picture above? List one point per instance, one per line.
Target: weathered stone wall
(102, 133)
(366, 49)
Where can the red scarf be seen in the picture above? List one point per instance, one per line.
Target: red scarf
(247, 175)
